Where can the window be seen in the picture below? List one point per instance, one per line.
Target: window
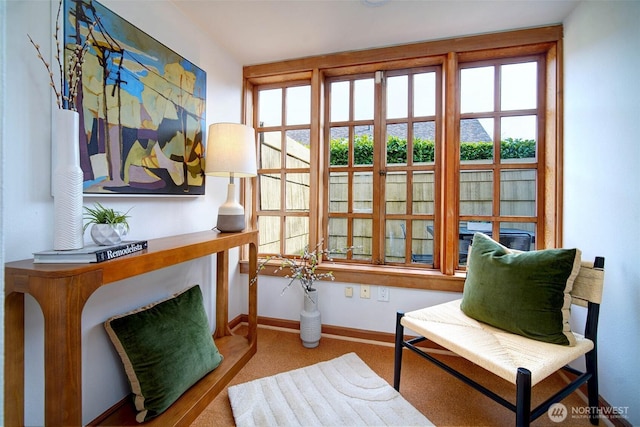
(403, 156)
(372, 177)
(284, 118)
(499, 168)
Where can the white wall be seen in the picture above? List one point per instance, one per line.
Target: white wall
(602, 178)
(338, 310)
(27, 210)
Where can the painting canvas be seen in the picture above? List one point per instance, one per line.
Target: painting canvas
(141, 106)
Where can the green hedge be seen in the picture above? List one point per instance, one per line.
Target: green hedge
(424, 150)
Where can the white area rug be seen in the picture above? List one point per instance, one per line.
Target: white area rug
(339, 392)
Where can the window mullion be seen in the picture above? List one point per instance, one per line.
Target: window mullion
(497, 138)
(447, 231)
(316, 166)
(379, 168)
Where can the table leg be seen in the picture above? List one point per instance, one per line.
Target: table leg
(14, 359)
(222, 295)
(62, 300)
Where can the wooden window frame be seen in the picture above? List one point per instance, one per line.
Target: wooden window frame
(449, 53)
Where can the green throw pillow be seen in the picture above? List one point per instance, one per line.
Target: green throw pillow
(526, 293)
(165, 347)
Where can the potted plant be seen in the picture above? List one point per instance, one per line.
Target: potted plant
(108, 225)
(303, 270)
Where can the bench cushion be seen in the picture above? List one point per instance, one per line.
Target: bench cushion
(527, 293)
(495, 350)
(165, 348)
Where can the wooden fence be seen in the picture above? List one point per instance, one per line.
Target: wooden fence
(517, 187)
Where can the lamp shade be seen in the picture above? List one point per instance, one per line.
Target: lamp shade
(231, 150)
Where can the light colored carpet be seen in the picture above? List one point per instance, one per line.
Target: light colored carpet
(340, 392)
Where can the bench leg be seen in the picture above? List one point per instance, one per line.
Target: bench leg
(523, 397)
(592, 386)
(397, 364)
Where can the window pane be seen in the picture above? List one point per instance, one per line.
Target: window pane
(298, 154)
(396, 192)
(476, 146)
(518, 235)
(464, 241)
(424, 135)
(338, 192)
(299, 105)
(337, 236)
(476, 192)
(297, 234)
(476, 89)
(363, 99)
(270, 192)
(269, 235)
(339, 146)
(297, 188)
(518, 139)
(270, 107)
(362, 238)
(422, 242)
(397, 144)
(518, 192)
(363, 145)
(423, 193)
(397, 97)
(518, 86)
(270, 150)
(424, 94)
(339, 101)
(363, 192)
(395, 241)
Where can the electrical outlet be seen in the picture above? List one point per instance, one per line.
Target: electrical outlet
(348, 292)
(365, 291)
(383, 293)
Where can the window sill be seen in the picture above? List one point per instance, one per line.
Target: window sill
(414, 278)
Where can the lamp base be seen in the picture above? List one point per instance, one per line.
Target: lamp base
(230, 223)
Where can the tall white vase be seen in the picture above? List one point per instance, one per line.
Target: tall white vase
(310, 321)
(67, 182)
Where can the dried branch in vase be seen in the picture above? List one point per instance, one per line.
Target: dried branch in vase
(66, 99)
(302, 269)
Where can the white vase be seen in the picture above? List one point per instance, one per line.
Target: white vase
(310, 321)
(67, 182)
(107, 234)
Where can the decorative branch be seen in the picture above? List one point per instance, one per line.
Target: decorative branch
(74, 72)
(303, 268)
(46, 64)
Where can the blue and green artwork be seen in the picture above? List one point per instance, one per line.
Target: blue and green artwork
(141, 106)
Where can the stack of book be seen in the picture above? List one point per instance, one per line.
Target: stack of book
(90, 253)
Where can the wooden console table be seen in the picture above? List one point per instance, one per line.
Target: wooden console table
(62, 290)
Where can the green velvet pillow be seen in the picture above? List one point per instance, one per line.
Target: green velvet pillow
(165, 347)
(526, 293)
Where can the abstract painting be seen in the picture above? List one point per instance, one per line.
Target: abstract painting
(141, 106)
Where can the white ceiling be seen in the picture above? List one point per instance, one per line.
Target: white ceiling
(259, 31)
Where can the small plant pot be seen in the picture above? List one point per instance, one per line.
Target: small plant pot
(107, 234)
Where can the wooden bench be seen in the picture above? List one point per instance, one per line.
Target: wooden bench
(237, 352)
(517, 359)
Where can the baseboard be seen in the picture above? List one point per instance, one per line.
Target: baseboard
(385, 338)
(352, 334)
(616, 419)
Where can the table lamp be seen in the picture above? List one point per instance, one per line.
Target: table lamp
(231, 151)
